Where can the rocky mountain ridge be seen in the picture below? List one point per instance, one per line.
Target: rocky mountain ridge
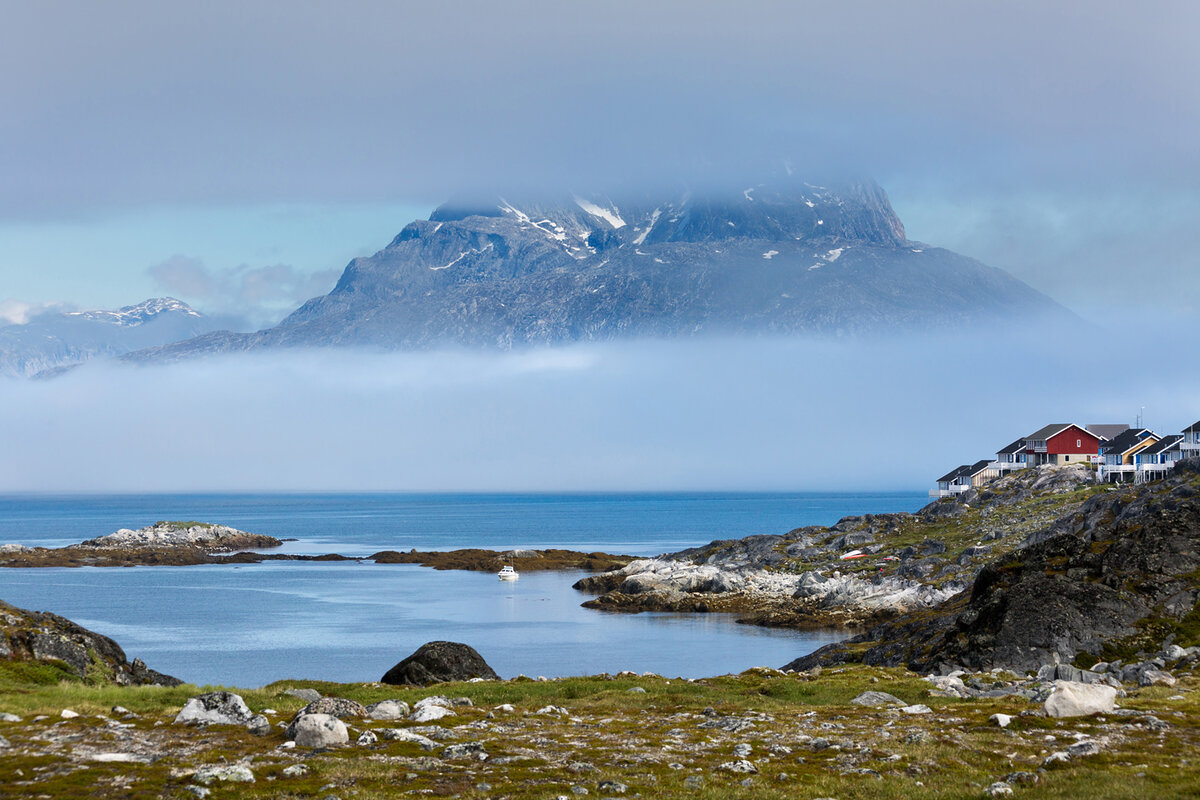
(777, 258)
(53, 340)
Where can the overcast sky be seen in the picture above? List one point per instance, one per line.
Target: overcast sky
(238, 154)
(1054, 139)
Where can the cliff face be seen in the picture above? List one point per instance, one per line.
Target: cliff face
(1118, 576)
(780, 257)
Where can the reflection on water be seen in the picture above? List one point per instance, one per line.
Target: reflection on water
(253, 624)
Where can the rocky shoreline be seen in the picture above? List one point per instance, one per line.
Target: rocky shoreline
(856, 574)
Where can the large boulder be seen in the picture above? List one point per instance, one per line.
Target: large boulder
(388, 709)
(318, 730)
(1071, 699)
(215, 708)
(338, 707)
(439, 662)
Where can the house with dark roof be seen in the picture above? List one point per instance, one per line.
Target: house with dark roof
(949, 484)
(1061, 443)
(1107, 430)
(979, 473)
(1118, 456)
(1190, 445)
(1010, 458)
(1159, 458)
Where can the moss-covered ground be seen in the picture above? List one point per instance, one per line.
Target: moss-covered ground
(658, 737)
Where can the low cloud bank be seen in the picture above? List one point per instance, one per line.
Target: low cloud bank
(700, 414)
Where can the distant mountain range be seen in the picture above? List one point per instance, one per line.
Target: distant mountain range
(56, 339)
(778, 258)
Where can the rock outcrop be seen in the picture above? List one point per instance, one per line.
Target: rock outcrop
(213, 538)
(42, 636)
(439, 662)
(1115, 576)
(215, 708)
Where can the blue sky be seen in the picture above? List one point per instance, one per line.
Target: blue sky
(1055, 140)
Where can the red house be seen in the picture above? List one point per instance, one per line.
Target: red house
(1062, 443)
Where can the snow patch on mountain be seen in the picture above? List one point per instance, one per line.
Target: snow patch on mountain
(609, 215)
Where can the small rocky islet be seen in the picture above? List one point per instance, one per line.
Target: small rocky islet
(168, 543)
(1039, 636)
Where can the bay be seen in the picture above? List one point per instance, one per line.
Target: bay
(248, 625)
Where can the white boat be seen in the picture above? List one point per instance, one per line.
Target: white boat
(507, 573)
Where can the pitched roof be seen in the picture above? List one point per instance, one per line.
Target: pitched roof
(1015, 447)
(1195, 426)
(1127, 440)
(978, 467)
(1107, 430)
(952, 474)
(1041, 434)
(1163, 445)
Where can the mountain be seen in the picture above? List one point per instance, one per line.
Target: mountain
(57, 339)
(780, 257)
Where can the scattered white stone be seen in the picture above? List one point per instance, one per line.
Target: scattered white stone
(367, 738)
(119, 758)
(388, 709)
(1002, 720)
(69, 714)
(433, 700)
(1070, 699)
(742, 749)
(874, 698)
(430, 713)
(219, 708)
(999, 789)
(741, 765)
(405, 735)
(508, 707)
(295, 771)
(237, 773)
(1057, 757)
(7, 717)
(919, 708)
(1174, 652)
(1084, 748)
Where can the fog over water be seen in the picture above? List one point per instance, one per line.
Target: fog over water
(634, 415)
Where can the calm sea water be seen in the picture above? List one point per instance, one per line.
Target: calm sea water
(248, 625)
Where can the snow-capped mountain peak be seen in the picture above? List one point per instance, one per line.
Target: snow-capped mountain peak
(130, 316)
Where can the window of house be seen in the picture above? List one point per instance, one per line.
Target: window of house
(1079, 442)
